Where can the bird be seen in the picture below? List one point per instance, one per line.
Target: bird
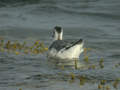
(64, 49)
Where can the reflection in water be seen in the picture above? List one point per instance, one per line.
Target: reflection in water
(96, 21)
(65, 63)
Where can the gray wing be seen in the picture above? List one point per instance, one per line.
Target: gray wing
(60, 44)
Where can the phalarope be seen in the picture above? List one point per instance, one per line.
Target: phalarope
(64, 49)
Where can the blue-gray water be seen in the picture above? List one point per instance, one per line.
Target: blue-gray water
(96, 21)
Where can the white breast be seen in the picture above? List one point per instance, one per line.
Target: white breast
(71, 53)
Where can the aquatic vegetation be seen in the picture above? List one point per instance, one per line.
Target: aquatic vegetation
(117, 65)
(107, 87)
(38, 47)
(82, 80)
(62, 67)
(100, 86)
(101, 63)
(76, 67)
(85, 51)
(17, 48)
(17, 53)
(115, 84)
(103, 82)
(46, 49)
(92, 67)
(86, 59)
(72, 77)
(85, 55)
(2, 50)
(26, 51)
(20, 88)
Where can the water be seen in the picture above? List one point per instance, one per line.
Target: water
(96, 21)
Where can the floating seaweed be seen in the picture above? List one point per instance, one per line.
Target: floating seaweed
(101, 63)
(76, 66)
(36, 48)
(20, 88)
(72, 77)
(100, 86)
(91, 66)
(107, 87)
(82, 80)
(115, 84)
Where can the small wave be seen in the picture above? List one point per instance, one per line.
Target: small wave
(69, 8)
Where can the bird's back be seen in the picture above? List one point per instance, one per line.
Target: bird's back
(60, 44)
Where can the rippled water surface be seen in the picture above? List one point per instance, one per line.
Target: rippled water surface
(96, 21)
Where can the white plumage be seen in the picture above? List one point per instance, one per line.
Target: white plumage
(64, 49)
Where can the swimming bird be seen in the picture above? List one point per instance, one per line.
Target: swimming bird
(64, 49)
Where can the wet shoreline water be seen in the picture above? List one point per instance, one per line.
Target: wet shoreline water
(97, 22)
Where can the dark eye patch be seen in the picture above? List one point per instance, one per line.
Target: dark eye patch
(58, 29)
